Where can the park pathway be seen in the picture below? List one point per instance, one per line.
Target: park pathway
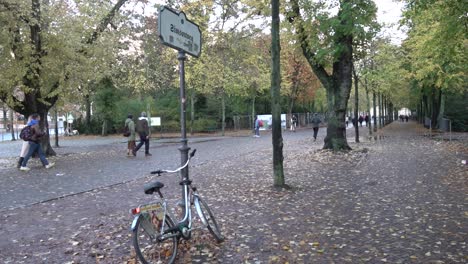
(398, 199)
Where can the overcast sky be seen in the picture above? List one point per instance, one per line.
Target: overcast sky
(389, 12)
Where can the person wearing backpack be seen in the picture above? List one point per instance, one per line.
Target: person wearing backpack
(142, 128)
(130, 125)
(34, 144)
(24, 147)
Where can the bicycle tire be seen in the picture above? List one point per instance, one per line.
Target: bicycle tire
(203, 211)
(147, 248)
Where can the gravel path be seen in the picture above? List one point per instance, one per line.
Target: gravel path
(398, 199)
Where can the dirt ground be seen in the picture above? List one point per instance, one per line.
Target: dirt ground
(400, 197)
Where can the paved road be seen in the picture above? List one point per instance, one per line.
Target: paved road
(84, 164)
(400, 199)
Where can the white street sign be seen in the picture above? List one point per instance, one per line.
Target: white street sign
(176, 31)
(70, 118)
(155, 121)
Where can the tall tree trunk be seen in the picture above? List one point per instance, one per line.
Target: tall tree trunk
(88, 113)
(436, 99)
(12, 122)
(5, 119)
(251, 121)
(375, 110)
(369, 123)
(34, 100)
(379, 94)
(384, 109)
(56, 130)
(277, 138)
(442, 107)
(104, 128)
(356, 104)
(338, 84)
(223, 113)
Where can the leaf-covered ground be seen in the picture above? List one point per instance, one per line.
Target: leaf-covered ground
(400, 198)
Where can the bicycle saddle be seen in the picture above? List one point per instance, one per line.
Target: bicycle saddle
(150, 188)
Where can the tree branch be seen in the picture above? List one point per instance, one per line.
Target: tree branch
(102, 26)
(294, 17)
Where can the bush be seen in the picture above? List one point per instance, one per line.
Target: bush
(202, 125)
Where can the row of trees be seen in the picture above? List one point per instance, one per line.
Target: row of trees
(107, 54)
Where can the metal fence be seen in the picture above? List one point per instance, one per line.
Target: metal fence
(242, 122)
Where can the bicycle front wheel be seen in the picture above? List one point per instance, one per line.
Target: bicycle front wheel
(150, 247)
(208, 218)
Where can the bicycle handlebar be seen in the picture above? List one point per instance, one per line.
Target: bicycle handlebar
(159, 172)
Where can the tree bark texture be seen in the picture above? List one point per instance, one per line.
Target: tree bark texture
(356, 105)
(223, 111)
(375, 110)
(368, 107)
(277, 138)
(34, 101)
(338, 84)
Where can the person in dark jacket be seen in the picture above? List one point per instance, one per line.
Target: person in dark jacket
(316, 124)
(142, 129)
(34, 144)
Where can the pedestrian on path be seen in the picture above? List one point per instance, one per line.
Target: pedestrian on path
(257, 127)
(131, 139)
(34, 144)
(315, 125)
(143, 131)
(24, 149)
(293, 123)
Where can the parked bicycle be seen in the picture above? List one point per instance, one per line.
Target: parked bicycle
(155, 234)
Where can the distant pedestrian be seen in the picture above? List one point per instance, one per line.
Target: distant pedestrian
(24, 148)
(315, 125)
(366, 119)
(293, 123)
(406, 118)
(257, 127)
(142, 128)
(131, 139)
(34, 144)
(361, 119)
(347, 121)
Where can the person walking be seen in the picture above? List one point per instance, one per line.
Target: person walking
(34, 144)
(142, 129)
(366, 119)
(24, 149)
(293, 123)
(257, 127)
(361, 119)
(131, 138)
(347, 121)
(315, 125)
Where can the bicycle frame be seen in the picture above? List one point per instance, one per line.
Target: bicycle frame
(160, 209)
(158, 223)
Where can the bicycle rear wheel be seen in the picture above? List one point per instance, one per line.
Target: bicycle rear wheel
(208, 218)
(148, 247)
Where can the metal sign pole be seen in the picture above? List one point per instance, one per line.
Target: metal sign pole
(184, 149)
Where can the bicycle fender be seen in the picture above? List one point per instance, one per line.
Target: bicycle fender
(135, 220)
(199, 211)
